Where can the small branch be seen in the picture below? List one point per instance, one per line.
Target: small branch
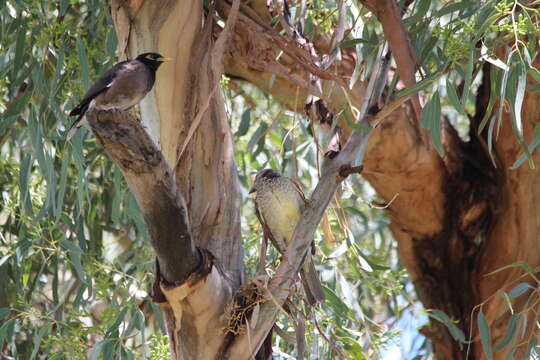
(347, 170)
(280, 285)
(150, 179)
(395, 33)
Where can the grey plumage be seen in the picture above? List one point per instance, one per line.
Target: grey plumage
(279, 203)
(121, 87)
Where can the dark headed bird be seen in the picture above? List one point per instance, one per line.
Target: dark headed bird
(279, 202)
(121, 87)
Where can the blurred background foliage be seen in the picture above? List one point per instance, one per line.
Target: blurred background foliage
(75, 264)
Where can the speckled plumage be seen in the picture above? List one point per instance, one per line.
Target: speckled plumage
(279, 203)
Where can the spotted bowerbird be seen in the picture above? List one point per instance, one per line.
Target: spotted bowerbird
(279, 203)
(121, 87)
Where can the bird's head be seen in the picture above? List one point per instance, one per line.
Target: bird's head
(152, 60)
(261, 177)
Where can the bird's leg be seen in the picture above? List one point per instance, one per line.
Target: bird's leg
(262, 254)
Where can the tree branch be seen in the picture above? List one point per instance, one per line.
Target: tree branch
(150, 179)
(281, 284)
(395, 33)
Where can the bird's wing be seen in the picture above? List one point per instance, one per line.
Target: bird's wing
(102, 84)
(299, 189)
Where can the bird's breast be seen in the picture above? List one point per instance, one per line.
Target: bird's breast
(281, 210)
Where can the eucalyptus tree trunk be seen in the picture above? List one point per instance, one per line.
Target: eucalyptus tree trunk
(456, 218)
(185, 117)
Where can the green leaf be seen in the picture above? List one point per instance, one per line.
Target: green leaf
(451, 7)
(83, 61)
(494, 77)
(520, 94)
(534, 73)
(74, 254)
(38, 338)
(485, 335)
(422, 8)
(6, 331)
(4, 312)
(521, 264)
(98, 348)
(58, 71)
(468, 78)
(70, 247)
(416, 87)
(453, 97)
(340, 308)
(456, 332)
(431, 120)
(353, 124)
(483, 24)
(530, 347)
(19, 48)
(118, 321)
(509, 334)
(257, 135)
(244, 123)
(24, 180)
(519, 289)
(62, 185)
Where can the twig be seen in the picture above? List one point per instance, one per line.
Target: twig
(347, 170)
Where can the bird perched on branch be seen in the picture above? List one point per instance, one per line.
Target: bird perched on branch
(279, 202)
(121, 87)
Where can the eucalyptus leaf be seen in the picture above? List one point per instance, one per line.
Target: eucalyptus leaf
(485, 335)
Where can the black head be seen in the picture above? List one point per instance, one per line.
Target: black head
(262, 176)
(152, 60)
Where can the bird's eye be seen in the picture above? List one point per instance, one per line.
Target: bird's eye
(150, 57)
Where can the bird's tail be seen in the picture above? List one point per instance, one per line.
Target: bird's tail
(77, 123)
(311, 283)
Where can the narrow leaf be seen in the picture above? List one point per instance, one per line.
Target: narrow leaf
(519, 289)
(520, 94)
(509, 334)
(431, 120)
(244, 123)
(416, 87)
(453, 97)
(456, 332)
(485, 335)
(83, 60)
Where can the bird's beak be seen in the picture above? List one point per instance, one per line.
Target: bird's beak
(252, 193)
(164, 59)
